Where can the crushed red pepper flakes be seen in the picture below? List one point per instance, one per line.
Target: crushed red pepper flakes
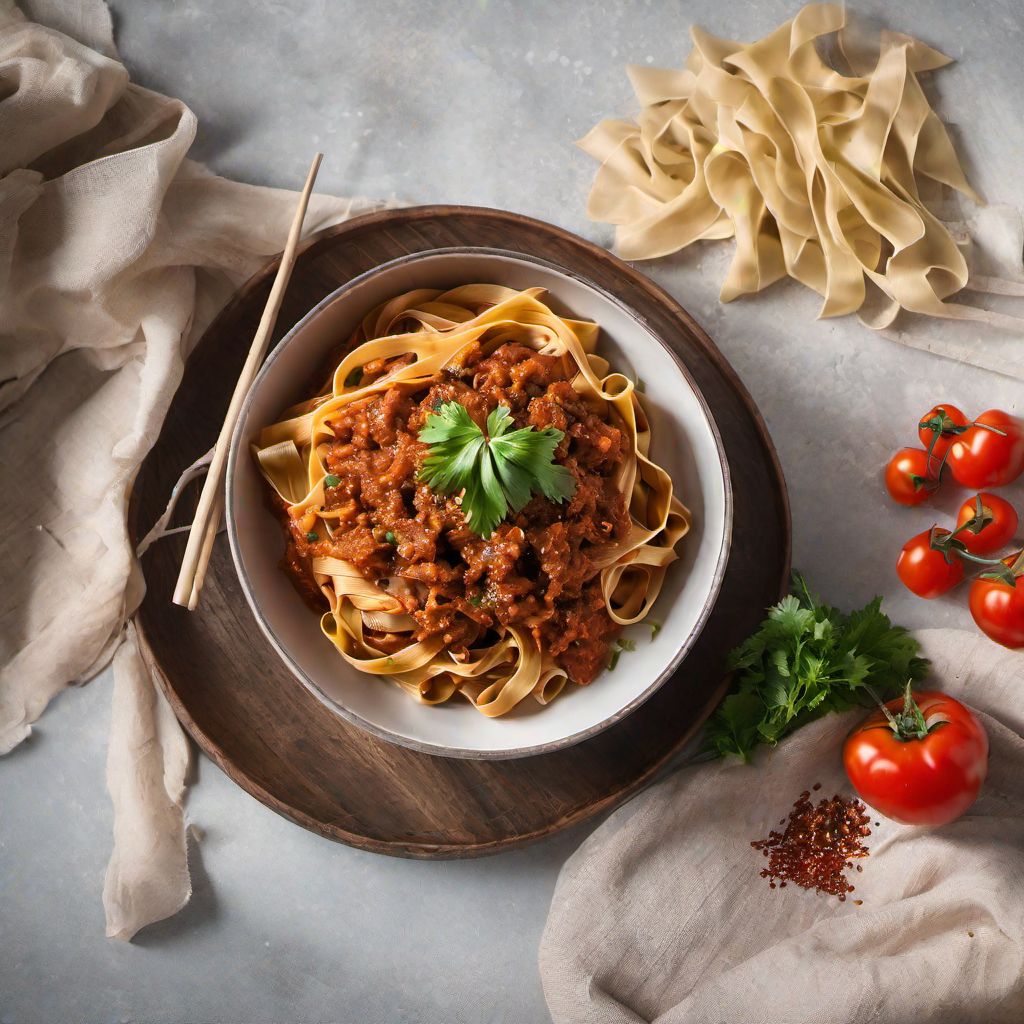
(818, 845)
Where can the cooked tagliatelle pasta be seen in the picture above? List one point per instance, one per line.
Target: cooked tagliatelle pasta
(819, 175)
(413, 581)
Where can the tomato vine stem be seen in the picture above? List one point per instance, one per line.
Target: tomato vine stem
(910, 723)
(950, 547)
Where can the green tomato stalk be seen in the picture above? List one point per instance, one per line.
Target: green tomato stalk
(951, 547)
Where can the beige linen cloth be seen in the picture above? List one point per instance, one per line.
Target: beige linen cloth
(115, 252)
(662, 915)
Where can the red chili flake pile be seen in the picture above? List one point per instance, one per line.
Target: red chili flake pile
(818, 846)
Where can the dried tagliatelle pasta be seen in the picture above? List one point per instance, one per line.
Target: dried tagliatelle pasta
(818, 175)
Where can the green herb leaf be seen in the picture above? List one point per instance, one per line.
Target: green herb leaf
(497, 471)
(733, 730)
(312, 536)
(806, 660)
(331, 480)
(354, 377)
(390, 537)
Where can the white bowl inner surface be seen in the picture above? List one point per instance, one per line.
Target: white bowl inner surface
(683, 442)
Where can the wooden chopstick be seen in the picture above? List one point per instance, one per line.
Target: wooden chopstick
(211, 501)
(209, 536)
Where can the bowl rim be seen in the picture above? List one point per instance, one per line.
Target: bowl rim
(435, 749)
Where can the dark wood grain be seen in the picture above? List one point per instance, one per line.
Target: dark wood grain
(283, 746)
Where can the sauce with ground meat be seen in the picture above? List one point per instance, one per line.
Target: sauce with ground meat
(536, 571)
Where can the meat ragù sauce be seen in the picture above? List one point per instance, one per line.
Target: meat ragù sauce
(537, 571)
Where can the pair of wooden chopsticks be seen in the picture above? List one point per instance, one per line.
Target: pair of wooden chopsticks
(211, 501)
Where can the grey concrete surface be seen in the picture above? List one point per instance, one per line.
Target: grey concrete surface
(473, 102)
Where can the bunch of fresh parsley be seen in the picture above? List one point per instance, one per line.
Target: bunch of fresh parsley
(808, 659)
(496, 471)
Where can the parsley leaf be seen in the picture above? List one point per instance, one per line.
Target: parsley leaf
(806, 660)
(497, 471)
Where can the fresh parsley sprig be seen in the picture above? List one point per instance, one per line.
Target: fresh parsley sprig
(805, 660)
(496, 471)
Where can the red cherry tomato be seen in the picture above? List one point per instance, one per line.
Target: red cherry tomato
(937, 421)
(919, 776)
(925, 570)
(998, 609)
(997, 533)
(989, 458)
(907, 478)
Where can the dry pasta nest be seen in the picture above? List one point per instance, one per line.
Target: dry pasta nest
(817, 174)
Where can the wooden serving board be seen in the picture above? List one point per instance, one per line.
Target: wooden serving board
(279, 743)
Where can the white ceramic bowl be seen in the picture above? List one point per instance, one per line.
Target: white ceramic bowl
(685, 441)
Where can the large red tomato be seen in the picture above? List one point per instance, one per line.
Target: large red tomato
(998, 608)
(923, 763)
(983, 457)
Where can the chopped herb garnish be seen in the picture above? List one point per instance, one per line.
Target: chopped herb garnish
(620, 645)
(312, 536)
(331, 480)
(354, 377)
(476, 600)
(389, 660)
(497, 471)
(655, 628)
(391, 538)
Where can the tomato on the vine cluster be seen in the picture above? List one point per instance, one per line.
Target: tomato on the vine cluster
(985, 452)
(981, 453)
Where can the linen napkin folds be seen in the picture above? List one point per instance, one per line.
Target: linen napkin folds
(662, 914)
(115, 253)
